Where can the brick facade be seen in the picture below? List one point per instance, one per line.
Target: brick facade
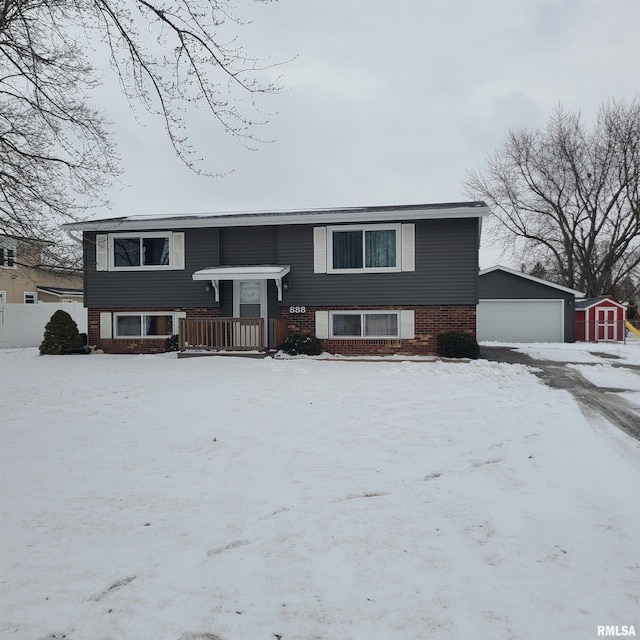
(136, 345)
(429, 321)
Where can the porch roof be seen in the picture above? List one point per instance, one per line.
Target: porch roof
(243, 272)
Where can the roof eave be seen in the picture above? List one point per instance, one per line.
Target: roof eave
(526, 276)
(325, 216)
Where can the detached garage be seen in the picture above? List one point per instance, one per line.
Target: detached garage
(516, 307)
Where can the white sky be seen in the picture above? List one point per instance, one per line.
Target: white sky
(391, 101)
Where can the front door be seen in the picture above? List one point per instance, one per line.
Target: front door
(606, 324)
(250, 301)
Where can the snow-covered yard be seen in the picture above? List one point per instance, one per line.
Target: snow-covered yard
(145, 497)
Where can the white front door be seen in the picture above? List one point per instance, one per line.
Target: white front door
(250, 301)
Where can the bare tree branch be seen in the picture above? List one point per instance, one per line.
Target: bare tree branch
(566, 199)
(56, 157)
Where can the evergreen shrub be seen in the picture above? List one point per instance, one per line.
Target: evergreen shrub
(302, 345)
(171, 343)
(455, 344)
(61, 336)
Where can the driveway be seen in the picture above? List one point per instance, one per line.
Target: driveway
(591, 398)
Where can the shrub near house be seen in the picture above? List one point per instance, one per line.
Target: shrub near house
(61, 336)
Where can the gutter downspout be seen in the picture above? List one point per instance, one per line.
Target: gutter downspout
(74, 238)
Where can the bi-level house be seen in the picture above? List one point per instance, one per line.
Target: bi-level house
(366, 280)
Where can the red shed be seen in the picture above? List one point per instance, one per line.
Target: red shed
(600, 320)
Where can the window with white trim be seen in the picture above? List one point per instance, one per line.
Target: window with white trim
(140, 251)
(364, 324)
(143, 325)
(357, 248)
(3, 297)
(365, 248)
(30, 297)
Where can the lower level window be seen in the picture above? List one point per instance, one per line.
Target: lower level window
(143, 325)
(364, 324)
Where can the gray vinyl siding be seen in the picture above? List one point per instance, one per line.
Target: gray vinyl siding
(154, 289)
(499, 285)
(446, 271)
(248, 245)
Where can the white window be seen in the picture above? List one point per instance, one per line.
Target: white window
(140, 251)
(137, 251)
(143, 325)
(382, 324)
(363, 248)
(370, 248)
(3, 297)
(364, 324)
(30, 297)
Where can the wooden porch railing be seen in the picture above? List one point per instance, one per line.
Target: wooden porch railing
(224, 334)
(279, 331)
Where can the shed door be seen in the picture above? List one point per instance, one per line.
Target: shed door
(521, 320)
(606, 323)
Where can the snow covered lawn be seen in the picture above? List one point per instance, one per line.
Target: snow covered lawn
(145, 497)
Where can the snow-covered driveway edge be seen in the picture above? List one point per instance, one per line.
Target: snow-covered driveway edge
(148, 497)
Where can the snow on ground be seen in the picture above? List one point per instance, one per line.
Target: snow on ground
(578, 352)
(604, 363)
(624, 381)
(145, 497)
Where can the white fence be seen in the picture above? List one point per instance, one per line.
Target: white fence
(22, 325)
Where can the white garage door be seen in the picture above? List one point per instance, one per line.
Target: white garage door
(521, 320)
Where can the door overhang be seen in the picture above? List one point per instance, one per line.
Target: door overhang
(274, 272)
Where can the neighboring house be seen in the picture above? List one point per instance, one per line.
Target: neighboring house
(517, 307)
(370, 280)
(600, 320)
(24, 278)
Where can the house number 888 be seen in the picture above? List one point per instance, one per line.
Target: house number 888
(297, 309)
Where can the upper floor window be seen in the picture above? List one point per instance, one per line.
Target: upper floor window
(369, 248)
(138, 251)
(7, 258)
(141, 251)
(364, 248)
(133, 251)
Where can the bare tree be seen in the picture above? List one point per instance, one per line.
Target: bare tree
(56, 157)
(567, 198)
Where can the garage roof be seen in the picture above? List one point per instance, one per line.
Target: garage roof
(526, 276)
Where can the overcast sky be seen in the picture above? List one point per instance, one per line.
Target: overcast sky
(390, 102)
